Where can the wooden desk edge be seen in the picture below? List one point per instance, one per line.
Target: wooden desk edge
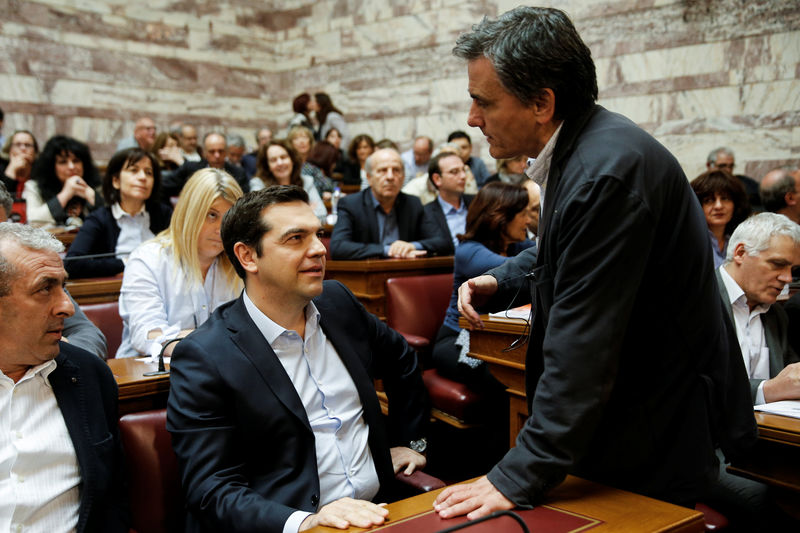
(379, 265)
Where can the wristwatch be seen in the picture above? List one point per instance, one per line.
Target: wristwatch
(420, 445)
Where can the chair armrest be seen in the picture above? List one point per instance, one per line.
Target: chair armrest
(415, 341)
(420, 481)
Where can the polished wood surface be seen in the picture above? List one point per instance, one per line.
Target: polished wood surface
(366, 278)
(95, 290)
(776, 458)
(619, 510)
(136, 391)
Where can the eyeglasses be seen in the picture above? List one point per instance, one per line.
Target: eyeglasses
(26, 146)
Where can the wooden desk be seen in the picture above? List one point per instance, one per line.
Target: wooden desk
(508, 367)
(95, 290)
(366, 278)
(619, 510)
(776, 458)
(138, 392)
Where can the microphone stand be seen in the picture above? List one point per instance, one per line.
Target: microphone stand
(492, 516)
(162, 370)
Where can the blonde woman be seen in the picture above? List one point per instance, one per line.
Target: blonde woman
(174, 282)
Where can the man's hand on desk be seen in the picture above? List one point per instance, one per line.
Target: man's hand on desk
(404, 250)
(475, 292)
(346, 512)
(407, 458)
(476, 499)
(784, 386)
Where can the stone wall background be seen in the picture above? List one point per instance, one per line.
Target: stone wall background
(695, 73)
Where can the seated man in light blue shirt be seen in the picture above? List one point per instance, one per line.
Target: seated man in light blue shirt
(272, 409)
(448, 174)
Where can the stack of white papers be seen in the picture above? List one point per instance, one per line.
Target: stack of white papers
(786, 408)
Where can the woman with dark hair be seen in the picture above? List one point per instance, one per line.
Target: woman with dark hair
(496, 229)
(302, 140)
(167, 148)
(329, 117)
(62, 184)
(303, 105)
(16, 160)
(130, 187)
(324, 156)
(725, 205)
(278, 164)
(361, 147)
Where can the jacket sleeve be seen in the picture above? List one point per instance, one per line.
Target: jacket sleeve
(203, 425)
(343, 240)
(93, 238)
(82, 333)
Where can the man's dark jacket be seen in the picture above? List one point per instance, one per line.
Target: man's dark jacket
(434, 211)
(173, 182)
(632, 373)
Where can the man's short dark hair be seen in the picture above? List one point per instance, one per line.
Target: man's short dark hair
(433, 165)
(536, 48)
(243, 222)
(458, 134)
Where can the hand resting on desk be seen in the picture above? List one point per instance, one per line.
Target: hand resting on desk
(475, 499)
(347, 512)
(407, 458)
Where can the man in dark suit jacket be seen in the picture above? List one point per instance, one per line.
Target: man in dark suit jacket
(381, 221)
(272, 409)
(214, 150)
(447, 173)
(629, 357)
(60, 402)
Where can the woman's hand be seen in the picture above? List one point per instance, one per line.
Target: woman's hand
(75, 186)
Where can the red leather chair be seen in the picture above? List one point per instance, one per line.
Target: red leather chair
(714, 520)
(155, 493)
(415, 308)
(106, 317)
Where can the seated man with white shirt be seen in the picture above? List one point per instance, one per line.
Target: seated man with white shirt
(61, 466)
(272, 409)
(761, 253)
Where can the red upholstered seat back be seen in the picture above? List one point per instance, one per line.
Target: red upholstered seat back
(106, 317)
(416, 305)
(155, 494)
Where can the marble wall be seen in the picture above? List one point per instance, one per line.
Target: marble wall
(695, 73)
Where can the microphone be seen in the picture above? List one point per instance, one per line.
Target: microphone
(94, 256)
(162, 370)
(496, 514)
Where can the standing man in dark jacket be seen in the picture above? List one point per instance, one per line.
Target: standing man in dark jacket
(632, 374)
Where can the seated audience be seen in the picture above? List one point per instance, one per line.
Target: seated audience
(361, 147)
(447, 173)
(386, 143)
(510, 170)
(302, 140)
(423, 188)
(722, 158)
(168, 151)
(188, 140)
(236, 148)
(130, 188)
(496, 229)
(381, 221)
(62, 185)
(62, 464)
(16, 161)
(478, 170)
(215, 149)
(303, 105)
(329, 116)
(780, 192)
(144, 134)
(340, 169)
(272, 408)
(325, 157)
(174, 282)
(724, 204)
(249, 161)
(417, 158)
(762, 251)
(278, 164)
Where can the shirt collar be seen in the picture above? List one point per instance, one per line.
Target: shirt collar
(268, 327)
(118, 213)
(540, 168)
(446, 207)
(43, 370)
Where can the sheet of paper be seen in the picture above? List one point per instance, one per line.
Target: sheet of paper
(517, 313)
(785, 408)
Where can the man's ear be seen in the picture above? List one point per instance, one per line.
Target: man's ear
(246, 256)
(738, 253)
(544, 106)
(436, 178)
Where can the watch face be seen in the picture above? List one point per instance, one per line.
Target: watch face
(420, 445)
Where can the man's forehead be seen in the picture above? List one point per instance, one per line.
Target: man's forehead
(33, 264)
(450, 160)
(281, 216)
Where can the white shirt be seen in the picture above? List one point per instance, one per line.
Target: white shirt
(326, 389)
(39, 475)
(421, 188)
(750, 333)
(133, 230)
(155, 294)
(539, 169)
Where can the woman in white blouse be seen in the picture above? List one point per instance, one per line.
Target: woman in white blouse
(278, 164)
(174, 282)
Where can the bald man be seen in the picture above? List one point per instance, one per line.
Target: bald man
(780, 192)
